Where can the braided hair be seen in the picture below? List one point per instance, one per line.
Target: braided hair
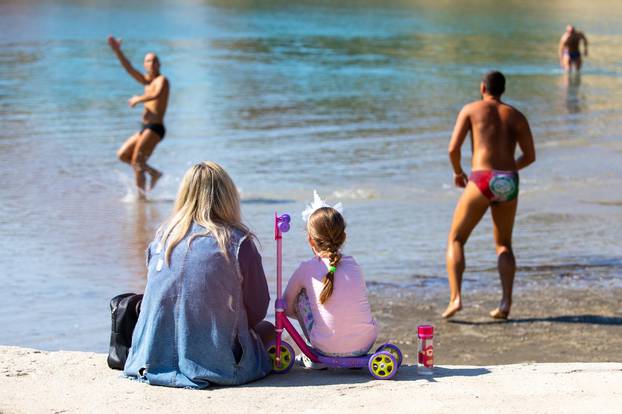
(327, 229)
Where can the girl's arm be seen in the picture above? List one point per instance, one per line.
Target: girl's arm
(294, 286)
(254, 285)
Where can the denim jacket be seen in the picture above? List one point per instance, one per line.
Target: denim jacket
(193, 318)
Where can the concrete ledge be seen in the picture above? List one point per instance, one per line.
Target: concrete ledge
(33, 381)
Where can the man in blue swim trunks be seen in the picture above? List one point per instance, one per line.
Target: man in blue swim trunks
(496, 129)
(138, 148)
(569, 53)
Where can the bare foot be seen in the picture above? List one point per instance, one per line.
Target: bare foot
(453, 307)
(502, 311)
(499, 313)
(154, 179)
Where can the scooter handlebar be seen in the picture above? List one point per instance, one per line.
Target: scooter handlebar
(282, 222)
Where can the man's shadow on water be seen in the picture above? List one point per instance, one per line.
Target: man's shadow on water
(572, 82)
(300, 377)
(584, 319)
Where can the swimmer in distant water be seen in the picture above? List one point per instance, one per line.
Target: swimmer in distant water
(138, 148)
(569, 53)
(496, 128)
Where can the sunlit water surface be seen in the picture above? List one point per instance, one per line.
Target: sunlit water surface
(356, 101)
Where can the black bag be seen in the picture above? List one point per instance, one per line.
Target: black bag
(125, 309)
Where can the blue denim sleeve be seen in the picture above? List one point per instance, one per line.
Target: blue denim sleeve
(254, 285)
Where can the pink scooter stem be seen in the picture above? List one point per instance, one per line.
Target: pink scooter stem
(278, 236)
(281, 224)
(279, 308)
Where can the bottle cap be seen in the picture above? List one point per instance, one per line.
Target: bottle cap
(425, 330)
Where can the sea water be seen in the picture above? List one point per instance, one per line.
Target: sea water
(354, 99)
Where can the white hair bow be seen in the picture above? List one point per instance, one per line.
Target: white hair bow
(318, 203)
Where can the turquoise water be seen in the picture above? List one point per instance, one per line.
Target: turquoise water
(355, 99)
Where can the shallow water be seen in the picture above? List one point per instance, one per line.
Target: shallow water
(356, 100)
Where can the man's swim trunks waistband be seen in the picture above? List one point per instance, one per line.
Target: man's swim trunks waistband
(497, 186)
(573, 55)
(157, 128)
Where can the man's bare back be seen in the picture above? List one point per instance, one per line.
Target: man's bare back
(496, 129)
(138, 148)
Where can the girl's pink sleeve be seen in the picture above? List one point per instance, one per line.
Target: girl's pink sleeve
(294, 286)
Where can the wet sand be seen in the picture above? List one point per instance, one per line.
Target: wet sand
(565, 325)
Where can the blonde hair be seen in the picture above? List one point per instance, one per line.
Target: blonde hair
(208, 197)
(327, 229)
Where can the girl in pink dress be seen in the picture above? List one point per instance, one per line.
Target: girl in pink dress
(327, 293)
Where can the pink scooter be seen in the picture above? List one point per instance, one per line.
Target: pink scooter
(382, 364)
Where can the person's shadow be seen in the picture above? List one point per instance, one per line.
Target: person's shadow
(582, 319)
(301, 377)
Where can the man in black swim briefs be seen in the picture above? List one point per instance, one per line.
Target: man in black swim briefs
(568, 51)
(496, 129)
(138, 148)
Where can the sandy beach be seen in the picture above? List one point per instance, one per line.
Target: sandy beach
(33, 381)
(547, 324)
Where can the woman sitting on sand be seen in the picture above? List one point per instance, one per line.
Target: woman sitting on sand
(206, 294)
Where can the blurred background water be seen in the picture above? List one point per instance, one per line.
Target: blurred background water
(354, 99)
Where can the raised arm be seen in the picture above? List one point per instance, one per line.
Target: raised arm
(115, 45)
(463, 125)
(525, 142)
(160, 85)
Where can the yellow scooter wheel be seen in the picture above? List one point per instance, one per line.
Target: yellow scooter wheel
(287, 357)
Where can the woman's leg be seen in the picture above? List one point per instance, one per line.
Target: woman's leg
(265, 330)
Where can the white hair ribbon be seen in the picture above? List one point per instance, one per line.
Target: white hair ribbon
(316, 204)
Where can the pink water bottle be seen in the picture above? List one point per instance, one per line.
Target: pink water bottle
(426, 349)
